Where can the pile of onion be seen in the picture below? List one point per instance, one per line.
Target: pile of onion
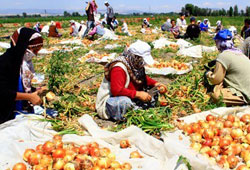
(225, 140)
(57, 155)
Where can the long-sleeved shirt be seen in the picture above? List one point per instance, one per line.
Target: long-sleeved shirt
(118, 81)
(110, 12)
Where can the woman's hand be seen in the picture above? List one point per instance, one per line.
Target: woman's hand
(40, 90)
(143, 96)
(161, 87)
(35, 99)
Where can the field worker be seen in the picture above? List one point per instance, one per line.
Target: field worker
(175, 30)
(125, 81)
(244, 28)
(204, 25)
(45, 29)
(219, 26)
(115, 22)
(53, 32)
(98, 29)
(247, 31)
(110, 15)
(245, 47)
(199, 22)
(181, 22)
(125, 28)
(37, 27)
(75, 28)
(83, 29)
(167, 25)
(193, 30)
(145, 23)
(231, 72)
(90, 11)
(16, 70)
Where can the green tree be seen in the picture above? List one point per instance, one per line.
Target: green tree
(236, 11)
(24, 14)
(231, 11)
(66, 14)
(242, 13)
(189, 8)
(247, 11)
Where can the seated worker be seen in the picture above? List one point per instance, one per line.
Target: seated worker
(125, 28)
(115, 22)
(181, 22)
(219, 26)
(175, 29)
(125, 81)
(204, 25)
(193, 30)
(247, 31)
(75, 28)
(37, 27)
(16, 70)
(231, 72)
(245, 47)
(98, 29)
(166, 26)
(245, 27)
(145, 23)
(53, 32)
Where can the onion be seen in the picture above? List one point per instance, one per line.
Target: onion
(48, 147)
(112, 156)
(93, 145)
(219, 125)
(40, 167)
(216, 141)
(205, 150)
(188, 129)
(212, 123)
(27, 154)
(59, 165)
(224, 142)
(210, 117)
(204, 125)
(207, 142)
(50, 96)
(59, 153)
(135, 154)
(228, 124)
(196, 146)
(245, 118)
(124, 143)
(217, 149)
(19, 166)
(104, 163)
(69, 166)
(126, 166)
(248, 138)
(223, 162)
(57, 137)
(35, 158)
(233, 161)
(248, 129)
(46, 160)
(94, 152)
(231, 118)
(84, 149)
(195, 137)
(115, 164)
(58, 144)
(237, 148)
(213, 153)
(195, 127)
(39, 148)
(225, 132)
(96, 168)
(236, 133)
(208, 134)
(104, 152)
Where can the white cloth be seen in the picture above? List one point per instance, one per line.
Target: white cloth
(181, 23)
(45, 29)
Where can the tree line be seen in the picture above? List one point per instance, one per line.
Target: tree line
(191, 9)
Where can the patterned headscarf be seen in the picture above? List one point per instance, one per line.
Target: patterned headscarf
(27, 69)
(135, 65)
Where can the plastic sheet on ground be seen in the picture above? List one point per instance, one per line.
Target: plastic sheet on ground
(167, 70)
(4, 45)
(76, 42)
(175, 146)
(26, 132)
(50, 51)
(104, 59)
(109, 35)
(162, 42)
(183, 43)
(111, 46)
(195, 51)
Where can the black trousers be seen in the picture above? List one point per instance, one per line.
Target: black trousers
(109, 20)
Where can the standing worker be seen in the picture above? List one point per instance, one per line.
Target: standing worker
(90, 11)
(110, 15)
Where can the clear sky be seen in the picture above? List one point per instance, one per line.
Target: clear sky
(122, 5)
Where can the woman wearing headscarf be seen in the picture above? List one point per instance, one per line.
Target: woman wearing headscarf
(204, 25)
(53, 32)
(230, 76)
(15, 65)
(125, 81)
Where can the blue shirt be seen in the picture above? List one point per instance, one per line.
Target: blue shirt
(203, 27)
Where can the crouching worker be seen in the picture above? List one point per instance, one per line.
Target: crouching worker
(125, 81)
(230, 77)
(16, 70)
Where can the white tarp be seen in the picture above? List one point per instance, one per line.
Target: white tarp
(65, 49)
(195, 51)
(111, 46)
(109, 35)
(4, 45)
(26, 132)
(183, 43)
(104, 59)
(167, 70)
(162, 42)
(76, 41)
(175, 146)
(45, 29)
